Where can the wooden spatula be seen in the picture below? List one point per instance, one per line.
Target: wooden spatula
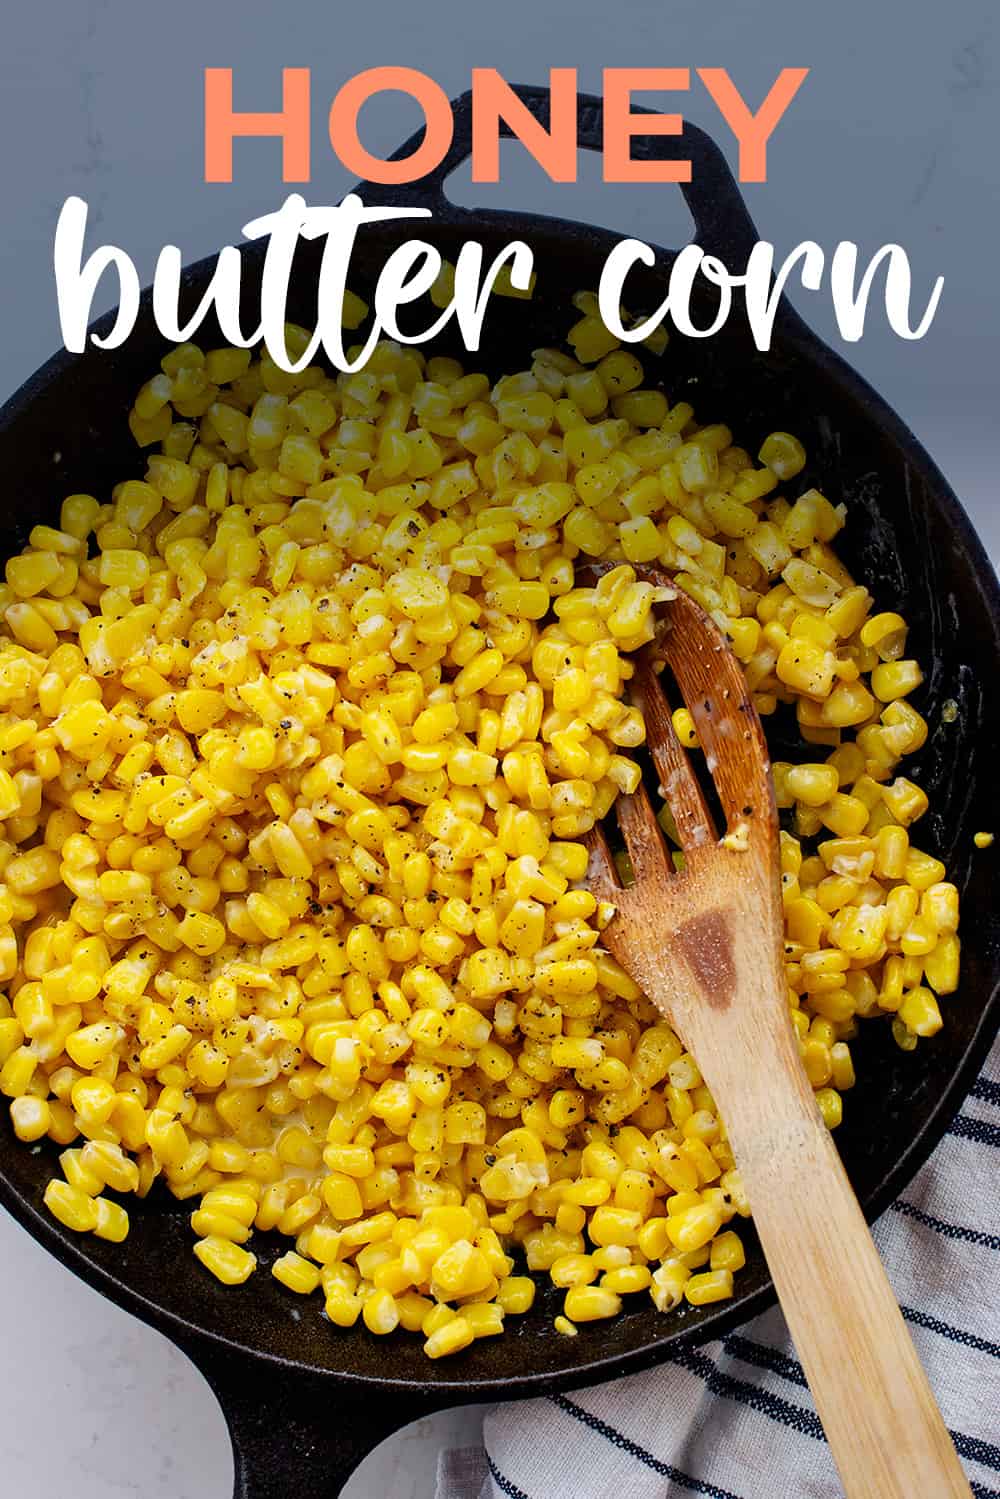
(706, 945)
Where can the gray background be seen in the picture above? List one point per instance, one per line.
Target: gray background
(891, 138)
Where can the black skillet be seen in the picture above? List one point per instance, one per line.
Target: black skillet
(305, 1401)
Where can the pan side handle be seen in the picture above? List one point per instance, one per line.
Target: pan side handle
(300, 1435)
(723, 226)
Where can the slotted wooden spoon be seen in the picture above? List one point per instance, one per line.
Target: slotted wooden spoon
(706, 945)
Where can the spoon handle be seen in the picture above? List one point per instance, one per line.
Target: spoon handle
(885, 1430)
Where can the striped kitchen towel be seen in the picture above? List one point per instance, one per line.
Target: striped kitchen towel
(734, 1419)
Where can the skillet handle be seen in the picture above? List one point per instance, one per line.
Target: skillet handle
(723, 226)
(296, 1435)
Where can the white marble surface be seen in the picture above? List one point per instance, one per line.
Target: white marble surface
(893, 139)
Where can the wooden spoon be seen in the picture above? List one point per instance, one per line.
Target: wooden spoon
(706, 945)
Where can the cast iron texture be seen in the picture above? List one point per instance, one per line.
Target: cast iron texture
(306, 1401)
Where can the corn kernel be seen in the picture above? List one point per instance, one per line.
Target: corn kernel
(226, 1261)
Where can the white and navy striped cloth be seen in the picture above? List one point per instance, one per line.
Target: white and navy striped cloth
(734, 1418)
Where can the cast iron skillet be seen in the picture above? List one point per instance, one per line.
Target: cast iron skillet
(304, 1401)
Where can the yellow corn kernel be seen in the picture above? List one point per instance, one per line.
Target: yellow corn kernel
(812, 784)
(237, 1203)
(31, 1118)
(842, 1066)
(516, 1294)
(684, 728)
(380, 1313)
(226, 1261)
(614, 1225)
(694, 1227)
(112, 1221)
(453, 1336)
(17, 1072)
(830, 1106)
(905, 800)
(713, 1285)
(92, 1044)
(296, 1273)
(806, 668)
(123, 568)
(626, 1280)
(591, 1303)
(895, 679)
(484, 1317)
(919, 1012)
(727, 1252)
(783, 454)
(668, 1282)
(31, 873)
(32, 573)
(202, 933)
(941, 965)
(343, 1307)
(73, 1208)
(573, 1270)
